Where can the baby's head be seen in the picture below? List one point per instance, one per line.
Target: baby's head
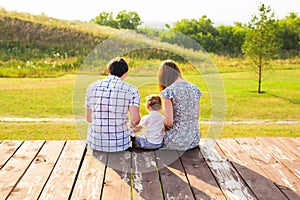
(153, 102)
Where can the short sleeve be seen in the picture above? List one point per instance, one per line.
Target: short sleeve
(145, 120)
(198, 92)
(135, 97)
(167, 94)
(88, 96)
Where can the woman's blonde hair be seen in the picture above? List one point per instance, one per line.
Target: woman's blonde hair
(168, 73)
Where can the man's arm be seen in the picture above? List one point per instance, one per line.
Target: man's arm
(134, 112)
(88, 115)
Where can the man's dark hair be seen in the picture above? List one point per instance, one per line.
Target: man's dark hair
(118, 67)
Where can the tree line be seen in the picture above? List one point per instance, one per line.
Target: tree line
(222, 39)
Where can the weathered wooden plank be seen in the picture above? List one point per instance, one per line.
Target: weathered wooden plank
(62, 178)
(90, 179)
(228, 178)
(146, 181)
(274, 169)
(174, 182)
(282, 154)
(7, 149)
(31, 184)
(203, 183)
(256, 179)
(117, 184)
(14, 169)
(292, 144)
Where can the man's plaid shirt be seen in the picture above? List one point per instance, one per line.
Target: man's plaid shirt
(109, 99)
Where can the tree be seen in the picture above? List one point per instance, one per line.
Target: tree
(201, 30)
(261, 43)
(105, 19)
(289, 31)
(232, 38)
(128, 20)
(124, 19)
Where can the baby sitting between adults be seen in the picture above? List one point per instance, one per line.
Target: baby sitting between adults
(152, 124)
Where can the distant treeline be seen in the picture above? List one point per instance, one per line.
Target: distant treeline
(223, 39)
(228, 40)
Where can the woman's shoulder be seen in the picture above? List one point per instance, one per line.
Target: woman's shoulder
(192, 88)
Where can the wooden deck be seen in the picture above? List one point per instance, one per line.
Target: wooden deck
(240, 168)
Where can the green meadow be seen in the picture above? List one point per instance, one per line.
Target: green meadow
(53, 98)
(40, 70)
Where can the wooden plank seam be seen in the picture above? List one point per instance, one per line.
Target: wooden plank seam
(78, 171)
(26, 167)
(186, 175)
(11, 154)
(52, 169)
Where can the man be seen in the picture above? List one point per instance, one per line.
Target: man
(107, 104)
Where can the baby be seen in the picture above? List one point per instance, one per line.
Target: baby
(153, 125)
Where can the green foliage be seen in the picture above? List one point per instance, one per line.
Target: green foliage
(125, 20)
(106, 19)
(128, 20)
(232, 39)
(261, 40)
(224, 40)
(201, 30)
(261, 43)
(289, 30)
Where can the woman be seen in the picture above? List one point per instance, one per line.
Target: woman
(181, 100)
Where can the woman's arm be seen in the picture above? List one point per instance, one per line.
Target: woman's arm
(198, 108)
(168, 113)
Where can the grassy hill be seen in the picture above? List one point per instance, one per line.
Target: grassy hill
(29, 41)
(40, 46)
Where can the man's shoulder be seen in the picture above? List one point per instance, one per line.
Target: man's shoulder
(127, 86)
(94, 84)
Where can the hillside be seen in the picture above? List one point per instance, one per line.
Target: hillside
(36, 43)
(40, 46)
(37, 36)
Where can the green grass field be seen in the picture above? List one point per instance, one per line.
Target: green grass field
(52, 98)
(52, 48)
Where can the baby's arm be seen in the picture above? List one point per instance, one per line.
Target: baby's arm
(137, 128)
(143, 123)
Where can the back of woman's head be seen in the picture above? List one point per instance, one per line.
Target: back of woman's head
(168, 73)
(117, 66)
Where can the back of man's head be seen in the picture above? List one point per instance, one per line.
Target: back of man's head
(118, 67)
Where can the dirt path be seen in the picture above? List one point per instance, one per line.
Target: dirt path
(258, 122)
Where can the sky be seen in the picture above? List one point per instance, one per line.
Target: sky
(154, 12)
